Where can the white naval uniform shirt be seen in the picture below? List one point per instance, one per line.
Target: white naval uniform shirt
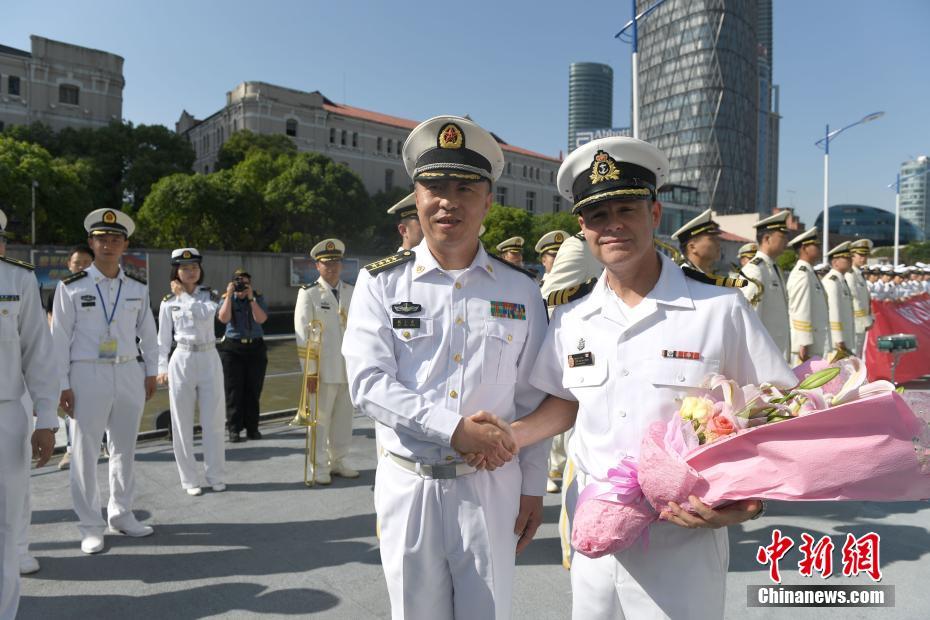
(630, 383)
(188, 319)
(418, 369)
(79, 325)
(862, 300)
(839, 300)
(573, 265)
(807, 305)
(773, 307)
(26, 345)
(317, 302)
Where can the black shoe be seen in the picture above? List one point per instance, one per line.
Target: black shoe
(254, 434)
(234, 437)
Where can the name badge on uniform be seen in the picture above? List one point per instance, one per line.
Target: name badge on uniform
(325, 305)
(175, 308)
(107, 350)
(508, 310)
(580, 359)
(88, 301)
(406, 322)
(9, 297)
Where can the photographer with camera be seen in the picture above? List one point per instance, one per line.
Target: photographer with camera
(243, 354)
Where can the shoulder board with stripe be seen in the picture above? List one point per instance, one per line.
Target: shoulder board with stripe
(389, 262)
(138, 279)
(757, 260)
(566, 295)
(214, 296)
(75, 277)
(802, 268)
(18, 263)
(579, 235)
(168, 297)
(709, 278)
(520, 269)
(834, 277)
(304, 287)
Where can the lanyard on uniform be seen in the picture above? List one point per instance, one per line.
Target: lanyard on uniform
(109, 317)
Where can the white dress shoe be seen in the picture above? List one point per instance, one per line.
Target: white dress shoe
(132, 528)
(92, 543)
(219, 487)
(323, 477)
(194, 491)
(28, 564)
(343, 470)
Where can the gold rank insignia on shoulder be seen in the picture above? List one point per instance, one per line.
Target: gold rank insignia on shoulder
(757, 260)
(714, 279)
(75, 277)
(389, 262)
(566, 295)
(168, 297)
(18, 263)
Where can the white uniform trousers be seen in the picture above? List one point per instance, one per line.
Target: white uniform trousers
(107, 397)
(861, 337)
(557, 456)
(681, 575)
(25, 517)
(447, 546)
(334, 426)
(14, 474)
(196, 378)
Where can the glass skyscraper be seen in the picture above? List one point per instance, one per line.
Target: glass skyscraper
(915, 194)
(703, 100)
(590, 98)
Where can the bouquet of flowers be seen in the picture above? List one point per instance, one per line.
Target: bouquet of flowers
(831, 437)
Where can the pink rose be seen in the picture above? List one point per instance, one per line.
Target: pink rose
(719, 425)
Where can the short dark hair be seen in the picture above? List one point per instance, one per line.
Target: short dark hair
(761, 233)
(83, 248)
(174, 272)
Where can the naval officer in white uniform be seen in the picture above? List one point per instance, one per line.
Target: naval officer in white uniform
(839, 299)
(772, 306)
(859, 288)
(807, 301)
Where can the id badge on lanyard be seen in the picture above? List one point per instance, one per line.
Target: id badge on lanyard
(108, 345)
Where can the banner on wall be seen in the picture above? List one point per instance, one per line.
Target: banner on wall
(900, 317)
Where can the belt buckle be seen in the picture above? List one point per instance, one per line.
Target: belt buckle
(443, 472)
(245, 341)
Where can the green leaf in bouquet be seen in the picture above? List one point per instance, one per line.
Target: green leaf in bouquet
(819, 378)
(899, 389)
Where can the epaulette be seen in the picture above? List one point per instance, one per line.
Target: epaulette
(834, 277)
(304, 287)
(389, 262)
(709, 278)
(579, 235)
(512, 266)
(757, 261)
(138, 279)
(75, 277)
(566, 295)
(214, 296)
(802, 268)
(168, 297)
(18, 263)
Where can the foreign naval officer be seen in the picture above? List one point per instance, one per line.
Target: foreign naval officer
(327, 300)
(772, 306)
(699, 242)
(839, 299)
(28, 365)
(511, 250)
(619, 354)
(99, 315)
(408, 224)
(747, 252)
(807, 301)
(437, 334)
(862, 300)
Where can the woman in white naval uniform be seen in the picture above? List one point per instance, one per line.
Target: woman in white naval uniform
(194, 373)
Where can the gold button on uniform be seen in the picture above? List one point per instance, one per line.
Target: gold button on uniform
(454, 394)
(458, 285)
(509, 338)
(449, 458)
(419, 268)
(406, 334)
(458, 320)
(489, 268)
(457, 358)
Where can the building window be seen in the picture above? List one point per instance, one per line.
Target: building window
(206, 169)
(290, 127)
(355, 139)
(1, 125)
(531, 202)
(388, 180)
(524, 171)
(342, 141)
(552, 176)
(390, 148)
(332, 135)
(556, 203)
(12, 85)
(537, 174)
(380, 145)
(508, 168)
(235, 125)
(501, 196)
(68, 93)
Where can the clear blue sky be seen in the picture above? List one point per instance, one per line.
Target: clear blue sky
(506, 64)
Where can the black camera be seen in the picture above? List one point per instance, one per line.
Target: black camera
(239, 284)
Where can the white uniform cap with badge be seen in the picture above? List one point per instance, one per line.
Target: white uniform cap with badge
(612, 169)
(551, 242)
(453, 148)
(328, 250)
(779, 221)
(748, 250)
(2, 224)
(900, 270)
(821, 267)
(808, 237)
(887, 269)
(701, 225)
(185, 256)
(861, 246)
(108, 221)
(514, 244)
(406, 207)
(840, 251)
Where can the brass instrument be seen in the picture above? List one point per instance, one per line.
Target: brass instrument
(670, 251)
(307, 409)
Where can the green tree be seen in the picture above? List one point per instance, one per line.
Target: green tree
(786, 261)
(916, 252)
(505, 222)
(154, 152)
(243, 142)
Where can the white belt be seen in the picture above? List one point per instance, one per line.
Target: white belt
(196, 348)
(119, 359)
(434, 472)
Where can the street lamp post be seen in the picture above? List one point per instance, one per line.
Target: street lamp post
(825, 144)
(35, 184)
(632, 27)
(897, 208)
